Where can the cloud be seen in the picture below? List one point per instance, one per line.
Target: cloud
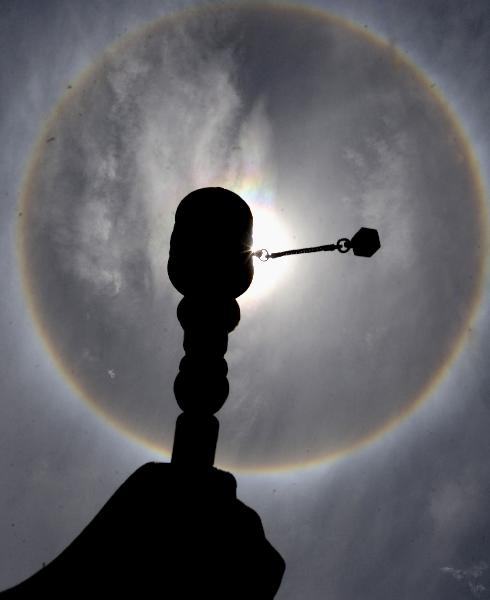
(471, 578)
(168, 115)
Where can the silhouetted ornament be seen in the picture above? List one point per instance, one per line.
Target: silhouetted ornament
(201, 393)
(210, 244)
(365, 242)
(210, 263)
(208, 312)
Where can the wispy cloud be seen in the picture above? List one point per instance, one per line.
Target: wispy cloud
(470, 578)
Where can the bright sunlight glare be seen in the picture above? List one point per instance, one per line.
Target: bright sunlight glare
(269, 232)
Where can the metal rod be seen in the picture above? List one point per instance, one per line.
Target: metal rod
(325, 248)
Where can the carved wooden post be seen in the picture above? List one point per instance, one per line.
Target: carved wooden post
(210, 263)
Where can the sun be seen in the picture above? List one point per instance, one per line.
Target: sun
(269, 232)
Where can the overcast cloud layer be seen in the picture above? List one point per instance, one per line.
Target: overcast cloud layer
(347, 136)
(407, 517)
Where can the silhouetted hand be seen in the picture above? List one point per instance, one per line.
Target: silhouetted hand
(167, 532)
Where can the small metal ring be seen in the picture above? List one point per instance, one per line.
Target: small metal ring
(343, 245)
(262, 254)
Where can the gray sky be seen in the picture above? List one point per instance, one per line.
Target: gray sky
(404, 516)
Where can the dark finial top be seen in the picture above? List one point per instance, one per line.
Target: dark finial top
(210, 247)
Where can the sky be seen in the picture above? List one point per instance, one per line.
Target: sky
(356, 425)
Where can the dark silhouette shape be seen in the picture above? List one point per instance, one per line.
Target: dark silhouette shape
(210, 253)
(365, 242)
(167, 532)
(177, 530)
(210, 263)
